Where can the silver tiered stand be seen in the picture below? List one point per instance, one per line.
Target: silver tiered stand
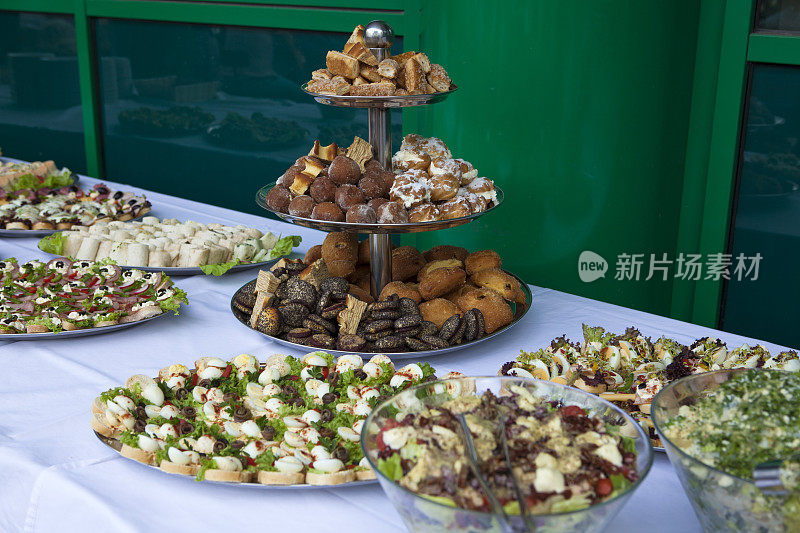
(379, 37)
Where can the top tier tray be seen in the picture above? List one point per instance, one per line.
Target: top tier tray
(356, 227)
(409, 100)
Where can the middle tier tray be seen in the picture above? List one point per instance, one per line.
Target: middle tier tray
(356, 227)
(520, 310)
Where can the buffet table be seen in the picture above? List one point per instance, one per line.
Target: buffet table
(56, 475)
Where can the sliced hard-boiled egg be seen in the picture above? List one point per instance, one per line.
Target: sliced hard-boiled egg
(169, 411)
(329, 466)
(319, 452)
(254, 448)
(293, 439)
(125, 403)
(254, 390)
(311, 416)
(215, 395)
(372, 370)
(153, 393)
(519, 372)
(314, 359)
(271, 389)
(380, 359)
(312, 385)
(233, 429)
(148, 444)
(310, 434)
(205, 444)
(179, 457)
(348, 362)
(250, 428)
(269, 375)
(358, 425)
(304, 456)
(288, 465)
(230, 464)
(245, 360)
(348, 434)
(362, 408)
(169, 430)
(152, 410)
(199, 394)
(294, 422)
(540, 370)
(274, 404)
(153, 430)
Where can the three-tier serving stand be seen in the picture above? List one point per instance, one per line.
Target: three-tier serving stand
(378, 36)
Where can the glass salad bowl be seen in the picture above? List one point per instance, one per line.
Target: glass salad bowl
(432, 513)
(721, 501)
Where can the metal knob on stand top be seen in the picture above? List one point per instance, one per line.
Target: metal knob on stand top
(379, 36)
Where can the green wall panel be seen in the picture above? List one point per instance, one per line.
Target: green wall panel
(579, 110)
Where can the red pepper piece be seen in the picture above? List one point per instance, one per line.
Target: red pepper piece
(604, 487)
(227, 371)
(572, 410)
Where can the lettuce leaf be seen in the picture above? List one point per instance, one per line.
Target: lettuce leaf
(284, 246)
(218, 269)
(53, 244)
(56, 180)
(391, 467)
(174, 302)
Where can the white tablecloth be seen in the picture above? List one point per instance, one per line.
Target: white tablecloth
(56, 476)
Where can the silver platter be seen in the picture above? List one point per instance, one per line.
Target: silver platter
(45, 232)
(115, 445)
(410, 100)
(357, 227)
(519, 313)
(78, 332)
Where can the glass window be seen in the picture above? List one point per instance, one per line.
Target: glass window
(212, 113)
(778, 15)
(767, 218)
(40, 100)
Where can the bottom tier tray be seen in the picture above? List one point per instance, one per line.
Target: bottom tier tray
(520, 310)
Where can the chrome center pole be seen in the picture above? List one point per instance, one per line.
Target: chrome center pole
(379, 37)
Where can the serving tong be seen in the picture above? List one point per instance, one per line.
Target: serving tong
(767, 476)
(506, 524)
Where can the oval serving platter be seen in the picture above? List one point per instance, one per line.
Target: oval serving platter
(78, 332)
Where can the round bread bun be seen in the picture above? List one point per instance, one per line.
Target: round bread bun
(441, 263)
(361, 277)
(341, 268)
(174, 468)
(482, 260)
(280, 478)
(501, 281)
(402, 290)
(43, 224)
(278, 199)
(496, 311)
(36, 328)
(340, 246)
(440, 281)
(406, 262)
(445, 251)
(313, 254)
(363, 252)
(344, 170)
(361, 294)
(337, 478)
(438, 310)
(137, 454)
